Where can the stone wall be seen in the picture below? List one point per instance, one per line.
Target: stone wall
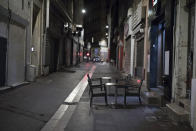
(180, 45)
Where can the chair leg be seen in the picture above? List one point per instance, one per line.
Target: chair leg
(91, 100)
(89, 91)
(140, 100)
(125, 102)
(106, 99)
(125, 97)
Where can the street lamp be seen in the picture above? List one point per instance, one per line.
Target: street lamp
(106, 26)
(83, 11)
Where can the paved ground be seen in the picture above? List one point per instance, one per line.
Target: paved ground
(28, 108)
(134, 117)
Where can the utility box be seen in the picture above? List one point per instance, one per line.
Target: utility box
(31, 73)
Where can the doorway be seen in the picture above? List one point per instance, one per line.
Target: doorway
(190, 47)
(54, 52)
(157, 55)
(153, 56)
(161, 55)
(3, 50)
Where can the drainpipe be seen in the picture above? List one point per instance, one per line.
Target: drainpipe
(47, 13)
(45, 67)
(174, 51)
(8, 35)
(193, 88)
(194, 54)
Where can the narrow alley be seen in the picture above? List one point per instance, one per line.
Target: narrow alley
(97, 65)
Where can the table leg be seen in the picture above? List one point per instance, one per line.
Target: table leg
(109, 88)
(115, 95)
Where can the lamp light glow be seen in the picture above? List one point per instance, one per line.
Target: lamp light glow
(83, 11)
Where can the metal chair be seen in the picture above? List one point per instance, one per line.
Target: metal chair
(92, 87)
(133, 90)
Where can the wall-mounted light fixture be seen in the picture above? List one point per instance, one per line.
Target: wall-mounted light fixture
(32, 48)
(66, 25)
(83, 11)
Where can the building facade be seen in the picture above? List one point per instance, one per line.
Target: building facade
(15, 25)
(158, 46)
(38, 37)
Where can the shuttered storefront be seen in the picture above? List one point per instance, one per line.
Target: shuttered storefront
(127, 55)
(139, 58)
